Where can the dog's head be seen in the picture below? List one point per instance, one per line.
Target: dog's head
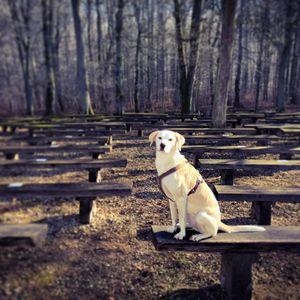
(166, 141)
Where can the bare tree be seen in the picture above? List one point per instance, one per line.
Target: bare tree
(84, 96)
(119, 29)
(225, 64)
(50, 99)
(20, 17)
(187, 71)
(284, 57)
(137, 14)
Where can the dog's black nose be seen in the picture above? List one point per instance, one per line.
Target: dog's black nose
(162, 146)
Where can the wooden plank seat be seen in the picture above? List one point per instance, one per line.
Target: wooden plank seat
(196, 130)
(239, 251)
(284, 152)
(71, 125)
(141, 128)
(101, 140)
(261, 197)
(74, 132)
(93, 166)
(295, 132)
(211, 130)
(11, 152)
(228, 166)
(201, 121)
(231, 138)
(266, 128)
(85, 193)
(23, 234)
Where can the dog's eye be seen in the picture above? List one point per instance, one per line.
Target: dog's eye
(170, 140)
(159, 138)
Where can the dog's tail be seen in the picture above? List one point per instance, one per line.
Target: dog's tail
(240, 228)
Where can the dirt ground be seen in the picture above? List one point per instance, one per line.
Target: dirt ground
(114, 258)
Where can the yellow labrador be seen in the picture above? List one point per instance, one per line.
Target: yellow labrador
(191, 200)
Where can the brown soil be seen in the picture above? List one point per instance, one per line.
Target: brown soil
(114, 258)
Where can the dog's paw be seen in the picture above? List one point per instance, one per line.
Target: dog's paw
(179, 236)
(199, 237)
(171, 229)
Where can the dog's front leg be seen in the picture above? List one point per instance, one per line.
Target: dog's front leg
(174, 216)
(181, 206)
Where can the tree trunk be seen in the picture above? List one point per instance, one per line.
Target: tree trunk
(187, 73)
(50, 99)
(137, 13)
(84, 96)
(239, 58)
(194, 45)
(118, 67)
(20, 17)
(225, 64)
(150, 45)
(295, 62)
(56, 62)
(99, 55)
(284, 57)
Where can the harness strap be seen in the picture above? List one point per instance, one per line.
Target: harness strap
(172, 170)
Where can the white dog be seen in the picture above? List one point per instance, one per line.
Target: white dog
(191, 200)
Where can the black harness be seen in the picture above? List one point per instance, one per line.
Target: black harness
(172, 170)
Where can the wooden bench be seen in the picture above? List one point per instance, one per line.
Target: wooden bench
(85, 193)
(231, 138)
(266, 128)
(93, 166)
(227, 166)
(239, 251)
(262, 198)
(295, 132)
(23, 234)
(11, 152)
(71, 125)
(75, 132)
(101, 140)
(284, 152)
(205, 130)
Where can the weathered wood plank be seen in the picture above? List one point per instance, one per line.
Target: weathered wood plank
(273, 239)
(206, 131)
(61, 138)
(55, 148)
(23, 234)
(231, 138)
(80, 189)
(255, 193)
(242, 148)
(290, 131)
(81, 164)
(249, 164)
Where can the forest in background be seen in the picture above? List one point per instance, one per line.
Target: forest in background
(111, 56)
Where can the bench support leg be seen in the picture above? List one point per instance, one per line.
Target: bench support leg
(95, 175)
(12, 156)
(140, 132)
(227, 177)
(87, 209)
(285, 156)
(262, 212)
(236, 275)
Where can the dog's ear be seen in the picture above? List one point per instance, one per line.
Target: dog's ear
(152, 136)
(180, 140)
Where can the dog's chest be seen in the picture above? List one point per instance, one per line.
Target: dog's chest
(171, 186)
